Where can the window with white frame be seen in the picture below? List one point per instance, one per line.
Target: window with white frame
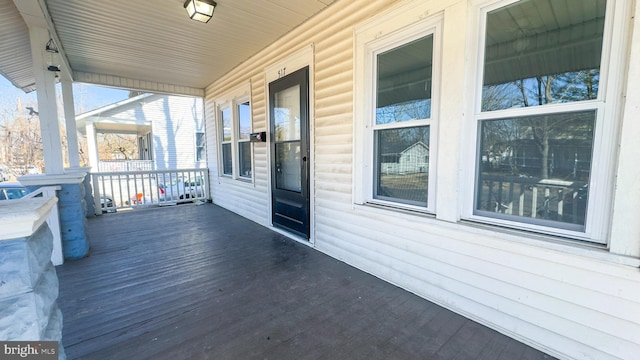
(200, 143)
(399, 114)
(226, 140)
(542, 119)
(234, 121)
(244, 141)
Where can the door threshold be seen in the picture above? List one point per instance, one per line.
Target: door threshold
(292, 236)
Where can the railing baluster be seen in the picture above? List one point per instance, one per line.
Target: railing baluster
(534, 202)
(490, 205)
(521, 203)
(192, 186)
(509, 209)
(560, 203)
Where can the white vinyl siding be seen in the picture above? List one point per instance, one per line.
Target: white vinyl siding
(572, 301)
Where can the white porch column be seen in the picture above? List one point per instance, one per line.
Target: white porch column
(70, 124)
(47, 108)
(92, 146)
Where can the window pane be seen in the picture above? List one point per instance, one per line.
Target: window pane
(288, 171)
(404, 82)
(402, 165)
(541, 52)
(199, 153)
(244, 123)
(199, 139)
(199, 146)
(226, 125)
(227, 167)
(287, 114)
(244, 154)
(536, 168)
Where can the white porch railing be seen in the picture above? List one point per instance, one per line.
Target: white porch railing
(125, 165)
(113, 191)
(53, 221)
(552, 199)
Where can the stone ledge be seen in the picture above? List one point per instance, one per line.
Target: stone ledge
(21, 218)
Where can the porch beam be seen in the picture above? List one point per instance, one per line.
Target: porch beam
(136, 84)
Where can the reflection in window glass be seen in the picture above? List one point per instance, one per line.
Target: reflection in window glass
(288, 171)
(200, 142)
(541, 52)
(404, 82)
(244, 154)
(227, 128)
(537, 167)
(244, 146)
(287, 114)
(226, 133)
(244, 121)
(402, 165)
(227, 165)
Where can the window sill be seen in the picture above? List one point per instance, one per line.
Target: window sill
(398, 211)
(562, 244)
(228, 179)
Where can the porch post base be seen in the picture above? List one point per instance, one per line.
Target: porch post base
(72, 208)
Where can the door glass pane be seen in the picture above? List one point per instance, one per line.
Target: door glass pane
(287, 114)
(403, 89)
(244, 121)
(244, 154)
(288, 166)
(542, 52)
(536, 167)
(402, 165)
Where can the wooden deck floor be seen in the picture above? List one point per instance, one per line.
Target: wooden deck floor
(199, 282)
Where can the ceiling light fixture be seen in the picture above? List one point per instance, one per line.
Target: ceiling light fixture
(200, 10)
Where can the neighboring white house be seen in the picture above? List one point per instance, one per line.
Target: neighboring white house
(170, 131)
(542, 245)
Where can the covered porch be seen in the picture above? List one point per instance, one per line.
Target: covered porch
(200, 282)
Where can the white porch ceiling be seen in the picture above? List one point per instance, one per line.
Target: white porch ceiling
(149, 41)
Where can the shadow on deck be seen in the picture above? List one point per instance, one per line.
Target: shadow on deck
(199, 282)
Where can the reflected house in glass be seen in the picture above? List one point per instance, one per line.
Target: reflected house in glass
(411, 160)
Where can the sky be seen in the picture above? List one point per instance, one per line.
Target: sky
(86, 97)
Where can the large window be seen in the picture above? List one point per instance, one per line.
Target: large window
(398, 90)
(540, 113)
(402, 122)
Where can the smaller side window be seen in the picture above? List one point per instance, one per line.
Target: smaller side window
(244, 144)
(200, 151)
(226, 140)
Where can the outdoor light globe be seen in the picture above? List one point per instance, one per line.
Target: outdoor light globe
(200, 10)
